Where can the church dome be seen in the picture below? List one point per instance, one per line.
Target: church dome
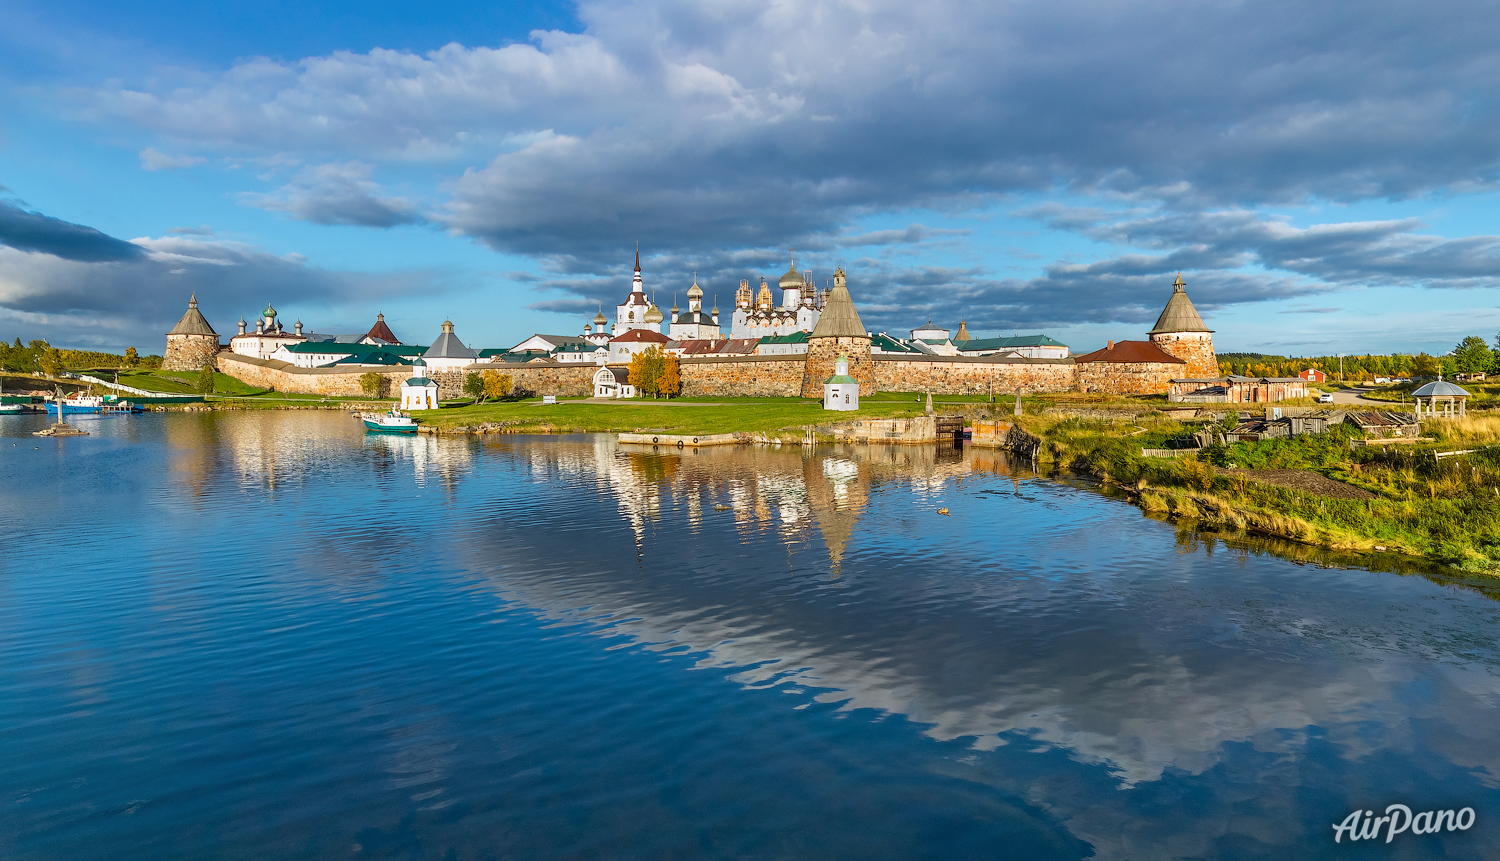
(600, 319)
(792, 280)
(695, 292)
(653, 314)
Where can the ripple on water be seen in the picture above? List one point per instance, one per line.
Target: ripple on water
(270, 635)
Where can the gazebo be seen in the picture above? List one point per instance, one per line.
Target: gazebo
(1454, 400)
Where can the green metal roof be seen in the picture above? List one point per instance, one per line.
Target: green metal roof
(839, 379)
(882, 341)
(420, 381)
(798, 337)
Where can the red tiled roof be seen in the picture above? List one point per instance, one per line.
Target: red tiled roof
(707, 347)
(636, 336)
(1131, 352)
(382, 331)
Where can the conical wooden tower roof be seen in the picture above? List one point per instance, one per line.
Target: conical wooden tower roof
(1179, 315)
(839, 318)
(193, 323)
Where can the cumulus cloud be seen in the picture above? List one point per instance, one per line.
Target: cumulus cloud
(78, 286)
(32, 231)
(156, 161)
(338, 193)
(712, 133)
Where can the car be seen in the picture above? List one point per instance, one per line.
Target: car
(1325, 398)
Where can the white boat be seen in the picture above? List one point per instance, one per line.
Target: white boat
(11, 409)
(394, 421)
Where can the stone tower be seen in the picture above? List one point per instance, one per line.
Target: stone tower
(192, 343)
(839, 332)
(1180, 331)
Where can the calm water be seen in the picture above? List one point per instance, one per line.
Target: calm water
(258, 635)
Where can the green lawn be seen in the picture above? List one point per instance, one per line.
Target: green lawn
(726, 415)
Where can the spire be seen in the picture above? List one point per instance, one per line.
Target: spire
(1179, 315)
(839, 319)
(638, 258)
(192, 322)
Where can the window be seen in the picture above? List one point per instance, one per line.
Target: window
(846, 399)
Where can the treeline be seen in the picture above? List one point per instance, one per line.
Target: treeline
(41, 356)
(1471, 355)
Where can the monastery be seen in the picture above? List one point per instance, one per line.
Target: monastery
(784, 348)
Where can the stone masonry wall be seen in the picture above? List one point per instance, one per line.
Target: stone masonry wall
(960, 375)
(1115, 378)
(1197, 351)
(189, 352)
(821, 355)
(753, 377)
(544, 379)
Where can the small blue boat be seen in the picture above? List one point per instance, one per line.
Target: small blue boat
(394, 421)
(91, 404)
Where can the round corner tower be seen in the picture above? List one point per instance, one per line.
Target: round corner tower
(1180, 331)
(839, 332)
(192, 343)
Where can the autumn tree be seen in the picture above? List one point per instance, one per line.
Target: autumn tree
(51, 362)
(645, 370)
(132, 358)
(1423, 365)
(669, 382)
(496, 384)
(371, 383)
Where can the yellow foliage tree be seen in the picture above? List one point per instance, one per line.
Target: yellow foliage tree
(496, 384)
(645, 370)
(670, 381)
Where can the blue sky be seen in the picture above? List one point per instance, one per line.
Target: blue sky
(1325, 178)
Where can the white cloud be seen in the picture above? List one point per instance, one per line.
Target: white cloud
(154, 161)
(338, 193)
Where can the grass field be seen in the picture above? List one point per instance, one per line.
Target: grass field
(1446, 509)
(720, 415)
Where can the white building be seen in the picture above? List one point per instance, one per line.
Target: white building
(631, 314)
(267, 337)
(624, 347)
(756, 315)
(841, 392)
(613, 383)
(935, 338)
(419, 392)
(448, 353)
(693, 324)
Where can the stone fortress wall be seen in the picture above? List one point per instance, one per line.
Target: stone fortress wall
(189, 352)
(782, 375)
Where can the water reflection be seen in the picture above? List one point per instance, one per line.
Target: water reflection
(1033, 617)
(1151, 690)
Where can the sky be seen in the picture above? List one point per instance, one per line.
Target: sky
(1323, 175)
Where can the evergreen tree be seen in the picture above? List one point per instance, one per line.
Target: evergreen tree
(474, 386)
(205, 384)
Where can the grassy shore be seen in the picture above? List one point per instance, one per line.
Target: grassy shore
(1447, 509)
(690, 416)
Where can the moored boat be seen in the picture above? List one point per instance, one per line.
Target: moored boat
(84, 404)
(393, 421)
